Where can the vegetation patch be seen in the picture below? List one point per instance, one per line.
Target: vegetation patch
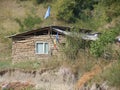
(31, 21)
(5, 64)
(28, 23)
(90, 14)
(101, 46)
(112, 75)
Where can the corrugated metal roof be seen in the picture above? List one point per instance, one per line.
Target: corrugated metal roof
(43, 29)
(38, 30)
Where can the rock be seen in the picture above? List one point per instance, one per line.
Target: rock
(66, 75)
(4, 86)
(104, 86)
(84, 88)
(16, 86)
(93, 87)
(56, 79)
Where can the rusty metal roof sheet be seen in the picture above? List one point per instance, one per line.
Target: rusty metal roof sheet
(40, 30)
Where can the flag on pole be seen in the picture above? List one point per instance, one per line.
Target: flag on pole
(47, 14)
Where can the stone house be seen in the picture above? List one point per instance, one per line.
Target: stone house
(39, 44)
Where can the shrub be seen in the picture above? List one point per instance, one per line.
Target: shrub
(31, 21)
(72, 48)
(99, 47)
(28, 23)
(65, 11)
(70, 11)
(73, 45)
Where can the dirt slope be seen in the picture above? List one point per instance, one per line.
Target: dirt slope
(87, 76)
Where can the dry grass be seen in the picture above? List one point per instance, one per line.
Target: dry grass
(12, 9)
(87, 76)
(110, 74)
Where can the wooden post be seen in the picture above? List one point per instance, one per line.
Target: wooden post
(49, 31)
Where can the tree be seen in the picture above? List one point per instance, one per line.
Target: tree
(70, 11)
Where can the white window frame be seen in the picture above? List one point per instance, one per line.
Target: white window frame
(43, 47)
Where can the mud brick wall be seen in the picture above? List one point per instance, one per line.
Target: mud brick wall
(23, 50)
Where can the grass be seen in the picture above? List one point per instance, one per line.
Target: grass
(110, 74)
(80, 65)
(31, 21)
(27, 65)
(5, 64)
(30, 65)
(84, 63)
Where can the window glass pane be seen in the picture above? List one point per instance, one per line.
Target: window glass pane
(39, 48)
(46, 48)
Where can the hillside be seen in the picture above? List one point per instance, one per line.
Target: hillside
(102, 16)
(13, 15)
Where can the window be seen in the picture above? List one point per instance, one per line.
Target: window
(42, 48)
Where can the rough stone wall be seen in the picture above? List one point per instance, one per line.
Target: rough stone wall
(25, 49)
(43, 79)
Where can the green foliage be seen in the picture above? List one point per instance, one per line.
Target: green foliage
(65, 11)
(73, 45)
(72, 48)
(30, 64)
(91, 14)
(112, 7)
(27, 65)
(112, 75)
(31, 21)
(70, 11)
(28, 23)
(5, 64)
(99, 47)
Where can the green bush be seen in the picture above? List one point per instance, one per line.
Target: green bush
(70, 11)
(31, 21)
(99, 47)
(72, 48)
(65, 11)
(73, 45)
(28, 23)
